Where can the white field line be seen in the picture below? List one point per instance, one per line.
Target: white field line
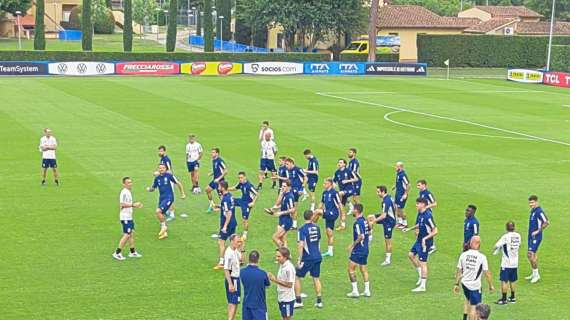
(438, 91)
(566, 105)
(532, 137)
(387, 118)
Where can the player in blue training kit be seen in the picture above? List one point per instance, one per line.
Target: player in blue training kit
(344, 179)
(354, 166)
(247, 201)
(419, 252)
(219, 171)
(164, 182)
(470, 226)
(402, 188)
(359, 252)
(228, 223)
(309, 261)
(330, 209)
(284, 213)
(312, 173)
(387, 218)
(432, 203)
(165, 160)
(255, 281)
(536, 224)
(298, 181)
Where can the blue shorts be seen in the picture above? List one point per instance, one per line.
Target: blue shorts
(244, 206)
(388, 229)
(330, 221)
(225, 235)
(346, 194)
(312, 267)
(253, 314)
(164, 204)
(417, 250)
(193, 165)
(399, 202)
(473, 296)
(286, 222)
(286, 308)
(508, 275)
(360, 259)
(312, 184)
(128, 226)
(534, 243)
(267, 165)
(357, 188)
(49, 163)
(233, 297)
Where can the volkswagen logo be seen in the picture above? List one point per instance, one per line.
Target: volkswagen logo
(81, 68)
(62, 68)
(101, 68)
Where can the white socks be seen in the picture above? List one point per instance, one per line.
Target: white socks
(423, 283)
(388, 257)
(343, 224)
(163, 225)
(366, 286)
(221, 261)
(535, 273)
(355, 287)
(405, 222)
(294, 223)
(330, 250)
(312, 206)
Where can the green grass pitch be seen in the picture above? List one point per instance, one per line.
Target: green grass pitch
(481, 141)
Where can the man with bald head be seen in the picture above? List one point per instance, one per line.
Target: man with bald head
(48, 145)
(472, 264)
(402, 188)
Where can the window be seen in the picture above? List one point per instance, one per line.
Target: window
(363, 47)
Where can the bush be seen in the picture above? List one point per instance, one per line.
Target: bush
(560, 58)
(364, 57)
(158, 56)
(485, 50)
(74, 19)
(104, 23)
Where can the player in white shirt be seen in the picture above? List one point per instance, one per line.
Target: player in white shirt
(126, 216)
(509, 245)
(193, 155)
(285, 281)
(267, 161)
(232, 261)
(265, 129)
(471, 265)
(48, 145)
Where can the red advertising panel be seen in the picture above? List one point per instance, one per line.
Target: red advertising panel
(147, 68)
(557, 79)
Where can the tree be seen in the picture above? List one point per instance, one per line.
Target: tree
(128, 26)
(372, 31)
(199, 19)
(11, 6)
(86, 27)
(39, 30)
(224, 9)
(253, 16)
(208, 27)
(109, 4)
(144, 11)
(171, 31)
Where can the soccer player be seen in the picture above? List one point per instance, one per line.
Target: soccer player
(470, 226)
(298, 181)
(330, 209)
(232, 262)
(312, 173)
(165, 160)
(309, 261)
(536, 224)
(228, 221)
(402, 188)
(267, 162)
(345, 180)
(193, 156)
(432, 203)
(265, 128)
(285, 215)
(354, 166)
(285, 282)
(219, 171)
(247, 201)
(126, 216)
(255, 282)
(48, 145)
(418, 255)
(164, 182)
(509, 245)
(470, 266)
(387, 219)
(281, 172)
(359, 252)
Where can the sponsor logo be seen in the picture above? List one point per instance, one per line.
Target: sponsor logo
(525, 76)
(348, 68)
(255, 67)
(198, 67)
(101, 68)
(22, 68)
(393, 68)
(81, 68)
(558, 79)
(273, 68)
(62, 68)
(225, 67)
(319, 68)
(148, 68)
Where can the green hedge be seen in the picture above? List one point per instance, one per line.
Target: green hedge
(485, 50)
(560, 59)
(157, 56)
(364, 57)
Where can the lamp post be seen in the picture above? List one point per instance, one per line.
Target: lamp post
(221, 33)
(18, 14)
(157, 23)
(202, 26)
(166, 20)
(550, 35)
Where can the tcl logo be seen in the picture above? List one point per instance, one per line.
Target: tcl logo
(557, 79)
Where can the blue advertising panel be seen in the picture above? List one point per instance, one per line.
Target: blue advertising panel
(334, 68)
(396, 69)
(24, 68)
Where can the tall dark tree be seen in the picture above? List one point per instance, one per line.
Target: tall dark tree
(39, 30)
(109, 4)
(171, 31)
(372, 31)
(86, 27)
(224, 9)
(208, 27)
(128, 26)
(199, 19)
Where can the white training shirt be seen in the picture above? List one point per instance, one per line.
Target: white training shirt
(268, 149)
(286, 273)
(232, 260)
(193, 151)
(472, 264)
(263, 132)
(126, 197)
(48, 142)
(509, 244)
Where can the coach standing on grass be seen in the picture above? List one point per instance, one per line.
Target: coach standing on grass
(255, 281)
(48, 145)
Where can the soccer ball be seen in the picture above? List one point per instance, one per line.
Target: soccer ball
(197, 190)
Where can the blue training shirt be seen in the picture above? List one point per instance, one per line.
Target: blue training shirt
(296, 176)
(310, 235)
(426, 194)
(359, 227)
(402, 183)
(354, 166)
(388, 208)
(332, 203)
(426, 224)
(536, 220)
(165, 160)
(313, 165)
(254, 281)
(341, 175)
(164, 183)
(248, 191)
(282, 172)
(227, 206)
(218, 167)
(470, 229)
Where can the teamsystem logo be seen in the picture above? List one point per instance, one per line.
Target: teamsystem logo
(19, 69)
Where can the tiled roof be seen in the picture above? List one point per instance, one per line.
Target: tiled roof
(395, 16)
(560, 28)
(510, 11)
(490, 25)
(27, 21)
